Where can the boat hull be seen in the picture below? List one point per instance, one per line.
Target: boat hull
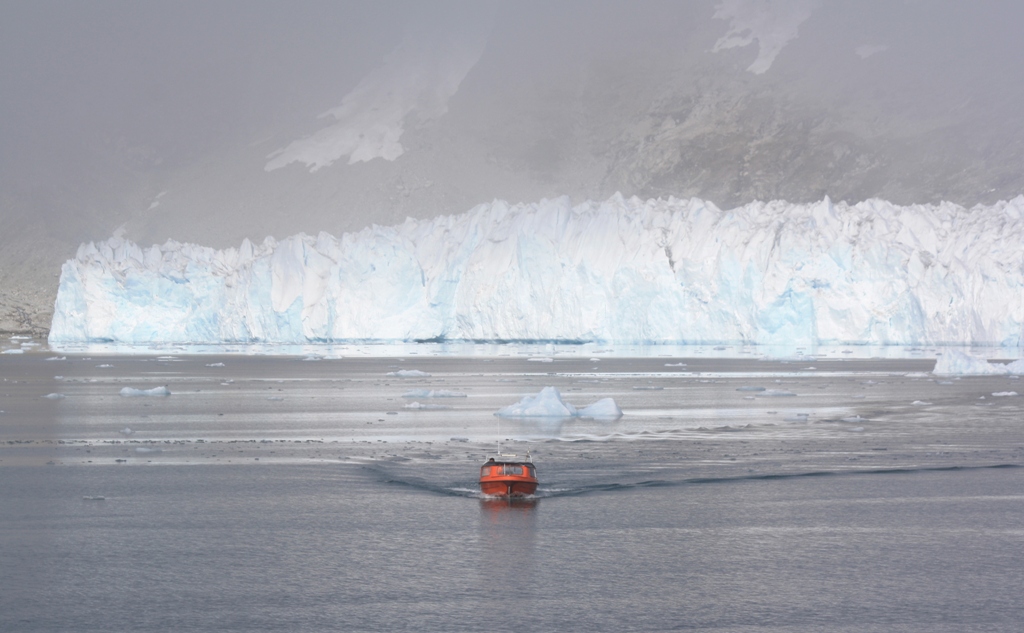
(507, 487)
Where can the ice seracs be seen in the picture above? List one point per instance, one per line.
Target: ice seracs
(623, 270)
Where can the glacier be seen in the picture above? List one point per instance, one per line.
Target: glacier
(623, 270)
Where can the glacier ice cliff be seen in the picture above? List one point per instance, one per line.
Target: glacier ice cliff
(622, 270)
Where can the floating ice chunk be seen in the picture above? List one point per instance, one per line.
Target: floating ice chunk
(126, 431)
(275, 398)
(749, 388)
(131, 392)
(94, 498)
(408, 373)
(142, 449)
(56, 358)
(646, 388)
(54, 396)
(854, 418)
(595, 360)
(922, 403)
(547, 403)
(776, 393)
(957, 363)
(605, 409)
(427, 407)
(675, 364)
(215, 364)
(541, 360)
(13, 351)
(104, 366)
(433, 393)
(1003, 394)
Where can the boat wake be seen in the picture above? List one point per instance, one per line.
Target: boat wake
(469, 490)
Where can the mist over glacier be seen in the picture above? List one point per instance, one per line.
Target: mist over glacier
(622, 270)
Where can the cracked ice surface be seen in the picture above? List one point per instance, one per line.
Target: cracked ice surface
(623, 270)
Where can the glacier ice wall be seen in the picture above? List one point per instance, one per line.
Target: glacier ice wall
(623, 270)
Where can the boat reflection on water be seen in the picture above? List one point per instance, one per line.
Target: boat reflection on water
(508, 538)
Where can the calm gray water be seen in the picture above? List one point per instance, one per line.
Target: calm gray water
(278, 494)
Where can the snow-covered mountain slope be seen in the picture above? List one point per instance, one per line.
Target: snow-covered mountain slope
(621, 270)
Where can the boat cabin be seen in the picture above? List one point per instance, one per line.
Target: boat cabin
(507, 475)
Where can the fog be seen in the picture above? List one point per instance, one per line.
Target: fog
(214, 121)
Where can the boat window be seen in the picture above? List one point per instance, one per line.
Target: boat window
(530, 471)
(512, 469)
(486, 470)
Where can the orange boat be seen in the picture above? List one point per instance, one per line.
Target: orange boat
(508, 476)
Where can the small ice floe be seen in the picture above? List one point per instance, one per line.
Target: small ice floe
(749, 388)
(54, 396)
(94, 498)
(56, 358)
(143, 449)
(944, 382)
(58, 377)
(859, 396)
(313, 358)
(857, 429)
(427, 407)
(433, 393)
(214, 364)
(13, 351)
(776, 393)
(131, 392)
(748, 397)
(408, 373)
(126, 431)
(1003, 394)
(646, 388)
(797, 417)
(275, 398)
(459, 439)
(595, 360)
(854, 418)
(921, 403)
(543, 359)
(549, 404)
(675, 364)
(104, 366)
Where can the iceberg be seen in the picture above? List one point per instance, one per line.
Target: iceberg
(956, 363)
(620, 271)
(549, 404)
